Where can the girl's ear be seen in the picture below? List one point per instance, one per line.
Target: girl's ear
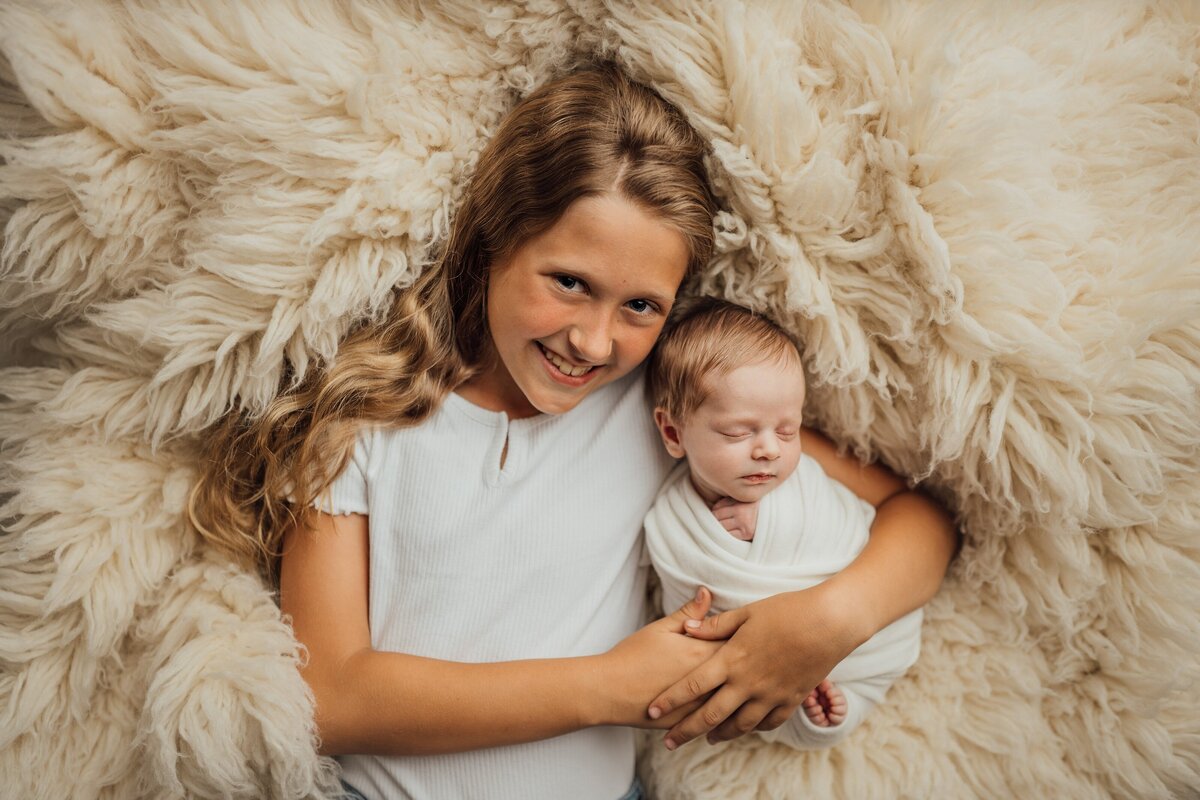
(670, 432)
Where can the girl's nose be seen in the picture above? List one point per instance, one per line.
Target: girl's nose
(591, 341)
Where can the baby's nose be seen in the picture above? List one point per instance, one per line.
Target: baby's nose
(767, 448)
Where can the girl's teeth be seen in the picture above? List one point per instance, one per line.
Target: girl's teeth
(563, 367)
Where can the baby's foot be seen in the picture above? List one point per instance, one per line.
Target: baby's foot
(826, 706)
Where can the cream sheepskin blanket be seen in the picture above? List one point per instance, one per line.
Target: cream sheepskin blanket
(809, 528)
(979, 217)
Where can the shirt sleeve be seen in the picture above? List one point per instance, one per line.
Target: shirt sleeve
(348, 493)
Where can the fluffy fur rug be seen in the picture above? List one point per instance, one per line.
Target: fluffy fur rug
(980, 217)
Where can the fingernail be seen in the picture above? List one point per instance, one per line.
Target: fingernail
(699, 593)
(655, 713)
(670, 743)
(692, 623)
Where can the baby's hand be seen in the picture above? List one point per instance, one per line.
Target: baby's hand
(739, 519)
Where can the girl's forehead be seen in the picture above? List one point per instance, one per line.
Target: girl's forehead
(617, 242)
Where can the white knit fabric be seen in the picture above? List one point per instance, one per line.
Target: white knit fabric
(478, 563)
(809, 528)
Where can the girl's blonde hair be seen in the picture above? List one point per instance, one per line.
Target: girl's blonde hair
(588, 133)
(705, 339)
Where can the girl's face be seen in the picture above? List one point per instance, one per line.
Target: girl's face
(744, 439)
(578, 306)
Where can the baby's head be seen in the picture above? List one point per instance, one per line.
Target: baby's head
(728, 392)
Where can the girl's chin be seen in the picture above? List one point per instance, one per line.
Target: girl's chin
(552, 400)
(552, 407)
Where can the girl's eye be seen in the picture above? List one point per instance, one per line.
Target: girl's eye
(734, 435)
(567, 282)
(786, 433)
(641, 306)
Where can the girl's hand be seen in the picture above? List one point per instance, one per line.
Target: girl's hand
(740, 519)
(778, 649)
(646, 661)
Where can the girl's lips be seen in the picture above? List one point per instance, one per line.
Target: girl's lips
(558, 377)
(758, 477)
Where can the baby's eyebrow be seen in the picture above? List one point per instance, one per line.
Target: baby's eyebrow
(748, 422)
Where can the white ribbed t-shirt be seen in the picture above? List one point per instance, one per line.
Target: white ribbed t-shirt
(474, 562)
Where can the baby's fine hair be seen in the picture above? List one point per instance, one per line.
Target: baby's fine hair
(707, 338)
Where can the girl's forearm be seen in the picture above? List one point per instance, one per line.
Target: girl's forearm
(394, 703)
(912, 541)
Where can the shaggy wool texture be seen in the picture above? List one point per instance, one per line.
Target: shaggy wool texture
(979, 217)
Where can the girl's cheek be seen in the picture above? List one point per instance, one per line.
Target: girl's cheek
(548, 313)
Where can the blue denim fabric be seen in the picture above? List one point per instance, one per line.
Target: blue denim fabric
(636, 792)
(352, 793)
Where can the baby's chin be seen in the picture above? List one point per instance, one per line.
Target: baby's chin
(751, 494)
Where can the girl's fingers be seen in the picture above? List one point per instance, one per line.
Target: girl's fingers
(718, 626)
(780, 715)
(693, 609)
(744, 720)
(704, 719)
(697, 683)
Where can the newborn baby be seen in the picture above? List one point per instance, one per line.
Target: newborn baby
(748, 514)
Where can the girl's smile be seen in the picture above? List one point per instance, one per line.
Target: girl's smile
(563, 371)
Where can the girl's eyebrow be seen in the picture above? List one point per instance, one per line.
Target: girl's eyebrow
(588, 277)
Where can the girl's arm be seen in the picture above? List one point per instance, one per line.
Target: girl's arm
(373, 702)
(782, 646)
(912, 541)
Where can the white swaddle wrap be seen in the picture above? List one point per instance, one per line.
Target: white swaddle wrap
(808, 528)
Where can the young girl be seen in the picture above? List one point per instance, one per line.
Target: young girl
(468, 480)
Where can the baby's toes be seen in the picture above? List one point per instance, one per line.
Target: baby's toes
(837, 708)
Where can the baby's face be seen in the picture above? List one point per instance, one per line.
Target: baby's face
(744, 439)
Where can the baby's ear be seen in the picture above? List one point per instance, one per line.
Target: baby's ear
(669, 431)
